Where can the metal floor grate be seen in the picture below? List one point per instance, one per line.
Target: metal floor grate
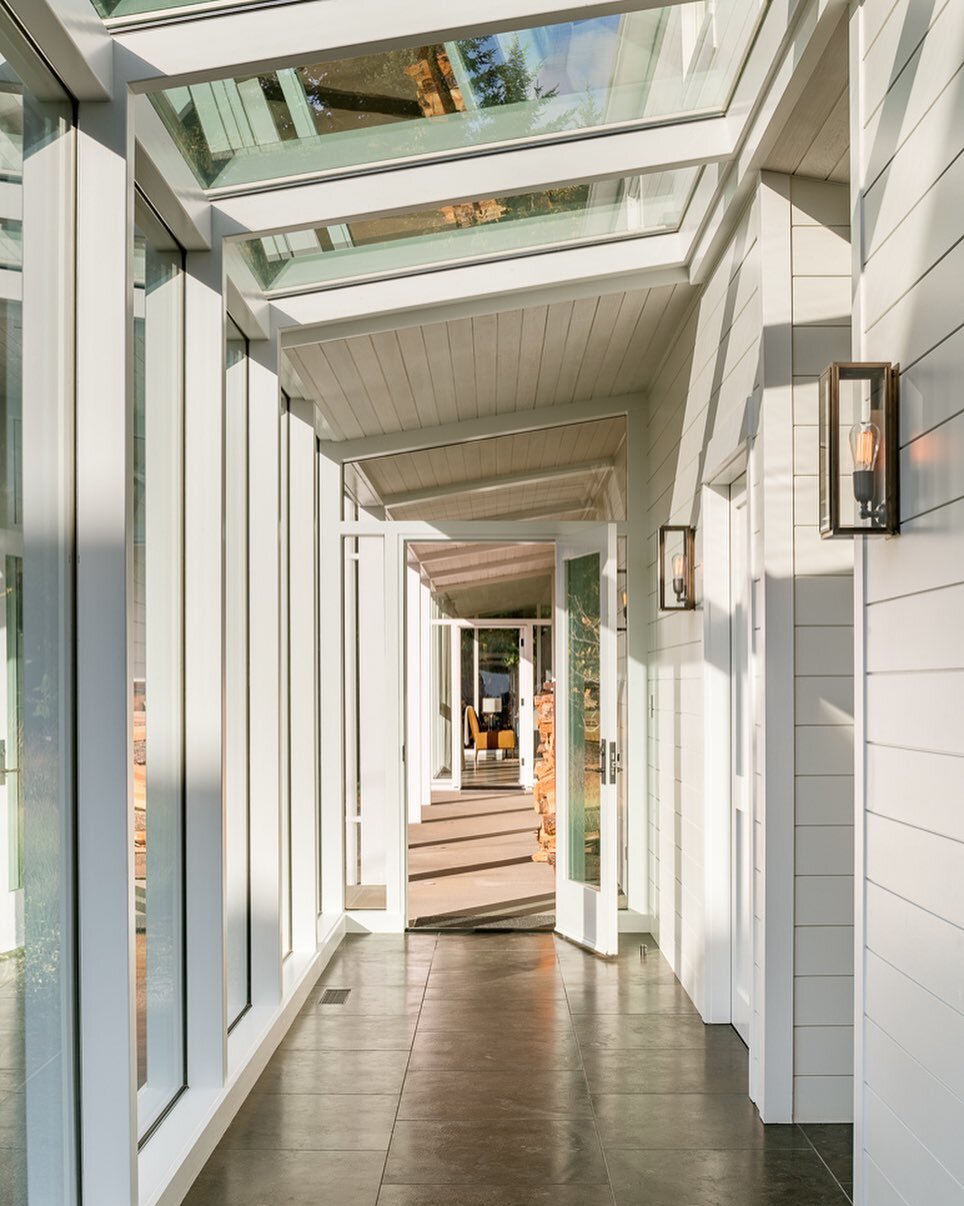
(334, 996)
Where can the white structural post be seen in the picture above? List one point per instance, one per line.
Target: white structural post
(635, 759)
(105, 831)
(48, 570)
(204, 669)
(303, 645)
(776, 907)
(526, 709)
(455, 704)
(415, 655)
(264, 675)
(333, 702)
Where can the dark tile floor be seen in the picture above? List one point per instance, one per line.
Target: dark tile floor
(511, 1070)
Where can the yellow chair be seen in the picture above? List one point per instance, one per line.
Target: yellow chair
(492, 739)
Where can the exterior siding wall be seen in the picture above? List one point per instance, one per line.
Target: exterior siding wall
(909, 194)
(823, 676)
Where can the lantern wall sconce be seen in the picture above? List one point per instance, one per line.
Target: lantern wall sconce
(677, 558)
(858, 450)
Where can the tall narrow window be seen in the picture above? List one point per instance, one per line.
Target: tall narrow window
(37, 989)
(157, 665)
(237, 790)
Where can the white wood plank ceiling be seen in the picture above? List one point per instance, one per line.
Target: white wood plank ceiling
(576, 471)
(421, 376)
(477, 579)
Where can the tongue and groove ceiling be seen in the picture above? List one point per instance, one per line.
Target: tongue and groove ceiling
(469, 368)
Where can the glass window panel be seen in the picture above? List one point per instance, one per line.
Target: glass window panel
(157, 665)
(583, 617)
(135, 8)
(399, 243)
(237, 792)
(441, 702)
(521, 86)
(37, 989)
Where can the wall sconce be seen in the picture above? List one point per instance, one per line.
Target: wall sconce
(677, 557)
(858, 451)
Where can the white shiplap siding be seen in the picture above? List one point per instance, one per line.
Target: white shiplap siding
(823, 674)
(910, 197)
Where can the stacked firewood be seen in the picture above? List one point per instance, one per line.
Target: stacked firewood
(545, 786)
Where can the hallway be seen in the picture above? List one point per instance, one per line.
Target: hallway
(511, 1070)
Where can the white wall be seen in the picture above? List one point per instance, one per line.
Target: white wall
(823, 677)
(711, 367)
(909, 195)
(772, 315)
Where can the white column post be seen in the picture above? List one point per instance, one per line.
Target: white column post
(332, 704)
(264, 675)
(527, 677)
(204, 668)
(635, 759)
(105, 831)
(302, 679)
(394, 818)
(455, 638)
(414, 657)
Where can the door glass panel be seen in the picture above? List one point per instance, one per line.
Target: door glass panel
(498, 695)
(441, 702)
(583, 646)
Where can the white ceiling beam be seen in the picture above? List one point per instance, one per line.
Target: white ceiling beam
(495, 173)
(162, 172)
(488, 288)
(512, 555)
(486, 485)
(75, 43)
(188, 47)
(518, 422)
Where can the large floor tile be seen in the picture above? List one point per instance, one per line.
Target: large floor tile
(317, 1031)
(687, 1120)
(297, 1071)
(627, 1032)
(835, 1146)
(721, 1178)
(629, 999)
(545, 1016)
(490, 1095)
(714, 1068)
(313, 1122)
(495, 1153)
(453, 1052)
(495, 1195)
(370, 999)
(280, 1178)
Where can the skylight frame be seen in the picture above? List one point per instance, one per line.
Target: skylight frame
(503, 256)
(448, 155)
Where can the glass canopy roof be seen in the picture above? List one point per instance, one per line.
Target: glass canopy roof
(135, 8)
(531, 84)
(472, 230)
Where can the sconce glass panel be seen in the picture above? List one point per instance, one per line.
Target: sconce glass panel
(858, 450)
(677, 555)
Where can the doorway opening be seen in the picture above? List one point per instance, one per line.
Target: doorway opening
(481, 835)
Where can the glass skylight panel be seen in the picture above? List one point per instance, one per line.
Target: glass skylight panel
(435, 100)
(137, 8)
(473, 230)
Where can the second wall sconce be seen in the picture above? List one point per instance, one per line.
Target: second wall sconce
(677, 560)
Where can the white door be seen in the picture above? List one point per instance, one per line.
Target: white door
(741, 836)
(586, 820)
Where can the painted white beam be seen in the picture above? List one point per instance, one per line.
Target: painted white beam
(487, 485)
(517, 422)
(509, 170)
(256, 40)
(74, 41)
(462, 292)
(163, 174)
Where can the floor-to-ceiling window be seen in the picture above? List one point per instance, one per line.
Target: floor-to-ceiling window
(37, 972)
(157, 665)
(237, 737)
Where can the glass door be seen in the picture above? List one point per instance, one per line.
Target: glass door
(586, 754)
